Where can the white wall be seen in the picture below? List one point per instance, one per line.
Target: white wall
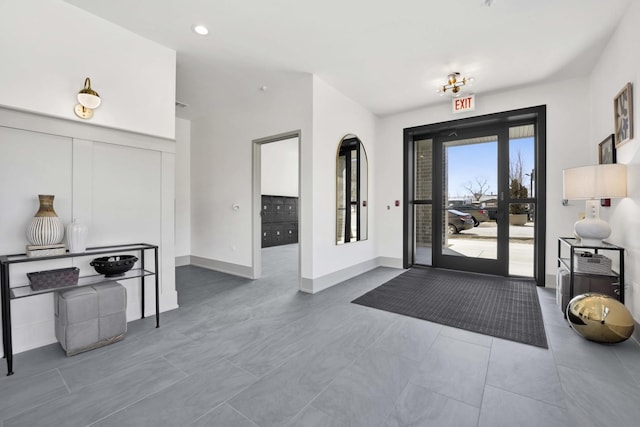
(334, 116)
(118, 182)
(221, 150)
(279, 169)
(183, 188)
(618, 65)
(221, 172)
(568, 144)
(48, 48)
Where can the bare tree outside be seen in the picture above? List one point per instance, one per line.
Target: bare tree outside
(516, 168)
(477, 189)
(516, 184)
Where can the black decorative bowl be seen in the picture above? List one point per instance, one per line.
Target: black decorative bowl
(115, 265)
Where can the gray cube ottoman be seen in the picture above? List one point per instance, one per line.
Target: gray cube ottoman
(90, 317)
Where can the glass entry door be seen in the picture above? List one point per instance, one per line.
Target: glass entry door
(474, 191)
(468, 176)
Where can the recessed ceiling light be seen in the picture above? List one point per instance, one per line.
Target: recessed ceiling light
(200, 29)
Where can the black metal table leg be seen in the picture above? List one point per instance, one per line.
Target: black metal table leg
(621, 278)
(6, 319)
(142, 279)
(157, 270)
(4, 323)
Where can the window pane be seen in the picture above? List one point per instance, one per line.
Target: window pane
(521, 162)
(340, 199)
(470, 182)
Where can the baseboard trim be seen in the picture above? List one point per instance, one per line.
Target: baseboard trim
(313, 286)
(224, 267)
(385, 261)
(550, 281)
(181, 261)
(163, 308)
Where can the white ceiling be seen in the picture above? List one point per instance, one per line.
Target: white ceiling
(389, 56)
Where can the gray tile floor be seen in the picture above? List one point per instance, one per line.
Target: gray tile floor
(247, 353)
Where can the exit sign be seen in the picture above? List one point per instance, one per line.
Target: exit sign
(464, 103)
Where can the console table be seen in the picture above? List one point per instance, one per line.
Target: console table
(9, 293)
(567, 260)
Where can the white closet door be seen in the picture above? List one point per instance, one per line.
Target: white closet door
(126, 195)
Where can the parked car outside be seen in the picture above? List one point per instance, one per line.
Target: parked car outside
(478, 214)
(492, 210)
(458, 221)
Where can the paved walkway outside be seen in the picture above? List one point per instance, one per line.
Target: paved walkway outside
(480, 242)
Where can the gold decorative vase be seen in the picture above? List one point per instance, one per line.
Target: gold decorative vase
(45, 227)
(600, 318)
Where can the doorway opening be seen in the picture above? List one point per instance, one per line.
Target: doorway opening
(474, 194)
(276, 207)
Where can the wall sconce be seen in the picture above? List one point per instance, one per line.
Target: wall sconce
(88, 101)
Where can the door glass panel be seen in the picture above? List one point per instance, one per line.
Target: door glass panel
(423, 237)
(470, 182)
(521, 188)
(521, 247)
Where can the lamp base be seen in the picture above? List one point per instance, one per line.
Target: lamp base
(591, 231)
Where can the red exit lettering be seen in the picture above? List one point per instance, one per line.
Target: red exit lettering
(463, 104)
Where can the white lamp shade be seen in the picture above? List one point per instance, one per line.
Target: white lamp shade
(88, 100)
(595, 182)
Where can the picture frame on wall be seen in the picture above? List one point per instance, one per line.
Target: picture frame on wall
(607, 150)
(607, 155)
(623, 115)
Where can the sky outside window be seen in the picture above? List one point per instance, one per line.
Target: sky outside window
(472, 162)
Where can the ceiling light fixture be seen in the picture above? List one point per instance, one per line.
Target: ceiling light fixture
(201, 30)
(88, 100)
(454, 83)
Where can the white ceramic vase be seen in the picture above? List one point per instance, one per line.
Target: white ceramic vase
(77, 237)
(45, 227)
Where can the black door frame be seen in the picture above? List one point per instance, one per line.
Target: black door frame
(500, 265)
(533, 115)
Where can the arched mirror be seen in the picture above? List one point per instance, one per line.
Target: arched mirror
(351, 190)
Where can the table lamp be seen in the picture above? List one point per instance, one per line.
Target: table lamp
(593, 183)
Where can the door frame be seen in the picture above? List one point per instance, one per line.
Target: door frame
(499, 265)
(256, 201)
(536, 114)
